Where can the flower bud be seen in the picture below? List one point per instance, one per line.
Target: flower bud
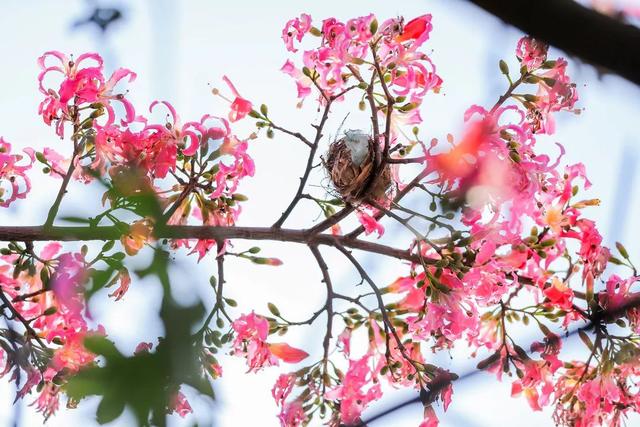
(504, 68)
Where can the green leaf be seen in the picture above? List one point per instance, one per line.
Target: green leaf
(100, 345)
(373, 27)
(85, 383)
(585, 339)
(110, 408)
(273, 309)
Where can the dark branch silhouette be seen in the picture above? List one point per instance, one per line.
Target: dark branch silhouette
(595, 38)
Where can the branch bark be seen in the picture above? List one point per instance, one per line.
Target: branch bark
(593, 37)
(68, 234)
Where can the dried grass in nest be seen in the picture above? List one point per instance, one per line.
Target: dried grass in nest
(351, 180)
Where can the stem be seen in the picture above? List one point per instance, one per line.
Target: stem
(17, 315)
(383, 310)
(326, 278)
(53, 211)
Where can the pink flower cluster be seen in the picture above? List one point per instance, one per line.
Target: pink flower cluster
(81, 84)
(153, 150)
(359, 52)
(521, 218)
(14, 183)
(57, 310)
(345, 46)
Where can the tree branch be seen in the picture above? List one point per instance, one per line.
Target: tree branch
(326, 278)
(593, 37)
(69, 234)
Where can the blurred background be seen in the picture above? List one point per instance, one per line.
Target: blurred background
(180, 51)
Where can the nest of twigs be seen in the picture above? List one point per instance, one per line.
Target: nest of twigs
(351, 171)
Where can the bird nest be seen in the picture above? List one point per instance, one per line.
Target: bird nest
(350, 164)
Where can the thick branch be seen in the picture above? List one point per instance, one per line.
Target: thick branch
(40, 233)
(585, 33)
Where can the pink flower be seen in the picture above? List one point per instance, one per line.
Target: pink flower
(14, 183)
(356, 391)
(153, 150)
(125, 281)
(202, 248)
(602, 396)
(106, 94)
(250, 341)
(59, 164)
(67, 281)
(535, 384)
(48, 401)
(215, 370)
(430, 418)
(283, 387)
(531, 52)
(294, 30)
(369, 223)
(292, 414)
(34, 376)
(556, 92)
(72, 355)
(240, 107)
(303, 83)
(417, 30)
(80, 84)
(143, 347)
(175, 134)
(559, 294)
(78, 81)
(180, 405)
(460, 162)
